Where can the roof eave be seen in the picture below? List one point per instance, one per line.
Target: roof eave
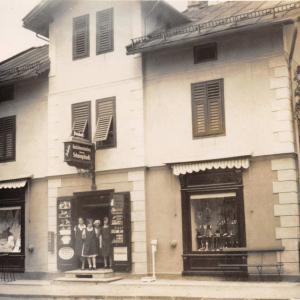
(43, 72)
(38, 19)
(219, 33)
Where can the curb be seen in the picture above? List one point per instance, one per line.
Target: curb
(97, 297)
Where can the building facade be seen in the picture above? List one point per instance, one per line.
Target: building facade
(23, 158)
(191, 117)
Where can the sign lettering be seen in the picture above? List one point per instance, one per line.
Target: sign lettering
(78, 155)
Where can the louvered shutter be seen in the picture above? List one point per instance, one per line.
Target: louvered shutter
(105, 32)
(7, 138)
(81, 120)
(2, 139)
(207, 106)
(215, 111)
(199, 109)
(81, 37)
(102, 129)
(106, 122)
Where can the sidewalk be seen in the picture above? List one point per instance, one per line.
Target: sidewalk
(161, 289)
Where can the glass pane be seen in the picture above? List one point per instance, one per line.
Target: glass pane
(10, 229)
(214, 222)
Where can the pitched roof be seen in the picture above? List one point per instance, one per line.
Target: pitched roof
(27, 64)
(39, 18)
(218, 18)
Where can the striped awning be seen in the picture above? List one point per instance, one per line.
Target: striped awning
(190, 167)
(13, 184)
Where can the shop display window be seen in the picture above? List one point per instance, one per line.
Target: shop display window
(214, 222)
(10, 229)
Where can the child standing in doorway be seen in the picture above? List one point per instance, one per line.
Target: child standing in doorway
(90, 249)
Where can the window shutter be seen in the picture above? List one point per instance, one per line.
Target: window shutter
(214, 97)
(199, 109)
(2, 139)
(105, 34)
(208, 111)
(79, 126)
(103, 126)
(7, 138)
(105, 135)
(81, 120)
(81, 37)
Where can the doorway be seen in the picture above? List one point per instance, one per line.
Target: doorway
(95, 207)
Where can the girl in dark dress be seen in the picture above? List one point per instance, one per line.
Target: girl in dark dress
(97, 224)
(79, 230)
(105, 243)
(90, 249)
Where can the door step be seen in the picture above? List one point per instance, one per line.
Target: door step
(90, 274)
(87, 276)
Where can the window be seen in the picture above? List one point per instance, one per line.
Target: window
(6, 93)
(214, 221)
(7, 138)
(10, 236)
(81, 120)
(106, 135)
(208, 108)
(81, 40)
(205, 53)
(105, 31)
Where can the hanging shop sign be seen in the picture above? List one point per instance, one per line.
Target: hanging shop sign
(78, 154)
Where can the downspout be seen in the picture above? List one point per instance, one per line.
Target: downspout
(295, 123)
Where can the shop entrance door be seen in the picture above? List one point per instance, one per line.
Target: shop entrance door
(96, 206)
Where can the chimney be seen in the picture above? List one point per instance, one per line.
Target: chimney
(197, 4)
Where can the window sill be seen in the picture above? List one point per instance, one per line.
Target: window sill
(208, 136)
(105, 147)
(105, 52)
(6, 161)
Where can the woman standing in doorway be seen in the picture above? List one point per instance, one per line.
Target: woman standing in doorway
(90, 247)
(79, 232)
(97, 224)
(105, 243)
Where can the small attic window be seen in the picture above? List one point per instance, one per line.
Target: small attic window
(6, 93)
(204, 53)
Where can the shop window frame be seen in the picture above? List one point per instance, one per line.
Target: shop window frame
(13, 198)
(209, 182)
(240, 217)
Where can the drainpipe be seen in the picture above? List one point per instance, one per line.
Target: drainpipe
(295, 123)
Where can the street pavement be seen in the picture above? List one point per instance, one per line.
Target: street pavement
(160, 289)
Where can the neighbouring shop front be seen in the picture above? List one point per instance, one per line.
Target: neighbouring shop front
(12, 224)
(95, 205)
(213, 217)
